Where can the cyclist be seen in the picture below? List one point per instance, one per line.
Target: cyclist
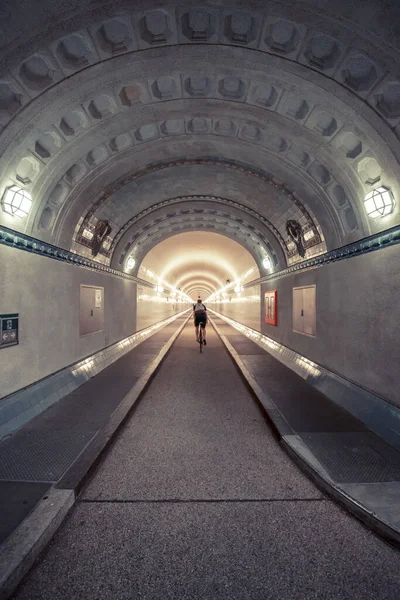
(200, 318)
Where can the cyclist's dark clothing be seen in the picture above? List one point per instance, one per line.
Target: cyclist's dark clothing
(200, 315)
(201, 320)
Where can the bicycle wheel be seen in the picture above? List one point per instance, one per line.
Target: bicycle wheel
(201, 339)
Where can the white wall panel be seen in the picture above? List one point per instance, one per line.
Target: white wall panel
(244, 308)
(153, 307)
(46, 294)
(357, 319)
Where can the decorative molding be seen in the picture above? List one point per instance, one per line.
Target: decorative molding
(127, 32)
(378, 241)
(390, 237)
(85, 223)
(21, 241)
(295, 232)
(198, 198)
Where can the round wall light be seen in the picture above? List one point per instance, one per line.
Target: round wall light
(238, 289)
(159, 288)
(16, 201)
(130, 263)
(379, 202)
(267, 262)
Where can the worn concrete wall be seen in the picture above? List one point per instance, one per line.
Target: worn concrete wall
(244, 308)
(358, 319)
(46, 293)
(153, 307)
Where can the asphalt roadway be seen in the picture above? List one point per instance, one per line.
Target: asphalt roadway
(197, 500)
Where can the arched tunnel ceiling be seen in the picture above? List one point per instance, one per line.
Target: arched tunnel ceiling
(166, 117)
(198, 263)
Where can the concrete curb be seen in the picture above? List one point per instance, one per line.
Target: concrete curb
(25, 544)
(21, 549)
(304, 458)
(318, 475)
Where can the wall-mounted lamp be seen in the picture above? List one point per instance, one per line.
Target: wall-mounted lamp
(16, 201)
(238, 289)
(267, 262)
(130, 263)
(379, 202)
(159, 288)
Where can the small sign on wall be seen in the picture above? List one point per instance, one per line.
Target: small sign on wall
(8, 330)
(271, 307)
(98, 298)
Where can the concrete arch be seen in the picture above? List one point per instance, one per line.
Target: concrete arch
(317, 112)
(347, 108)
(209, 259)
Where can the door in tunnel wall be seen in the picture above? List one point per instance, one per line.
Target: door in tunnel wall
(304, 310)
(91, 309)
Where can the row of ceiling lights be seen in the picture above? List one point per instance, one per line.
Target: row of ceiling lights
(161, 285)
(237, 285)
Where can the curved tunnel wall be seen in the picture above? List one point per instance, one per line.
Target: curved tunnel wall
(244, 307)
(357, 318)
(49, 315)
(152, 307)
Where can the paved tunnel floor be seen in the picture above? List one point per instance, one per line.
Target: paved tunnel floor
(196, 499)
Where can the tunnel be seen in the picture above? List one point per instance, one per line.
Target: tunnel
(235, 158)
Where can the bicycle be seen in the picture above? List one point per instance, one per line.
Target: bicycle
(200, 340)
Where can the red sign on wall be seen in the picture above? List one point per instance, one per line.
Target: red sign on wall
(271, 307)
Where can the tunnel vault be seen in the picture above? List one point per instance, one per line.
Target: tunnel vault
(174, 117)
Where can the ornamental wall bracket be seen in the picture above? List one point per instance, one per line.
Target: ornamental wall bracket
(295, 233)
(103, 228)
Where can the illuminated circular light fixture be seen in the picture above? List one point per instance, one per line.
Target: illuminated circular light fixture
(379, 202)
(238, 289)
(159, 288)
(130, 263)
(267, 262)
(16, 201)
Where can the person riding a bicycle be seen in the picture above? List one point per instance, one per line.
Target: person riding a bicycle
(200, 319)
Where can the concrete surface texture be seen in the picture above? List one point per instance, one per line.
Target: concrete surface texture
(59, 447)
(197, 500)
